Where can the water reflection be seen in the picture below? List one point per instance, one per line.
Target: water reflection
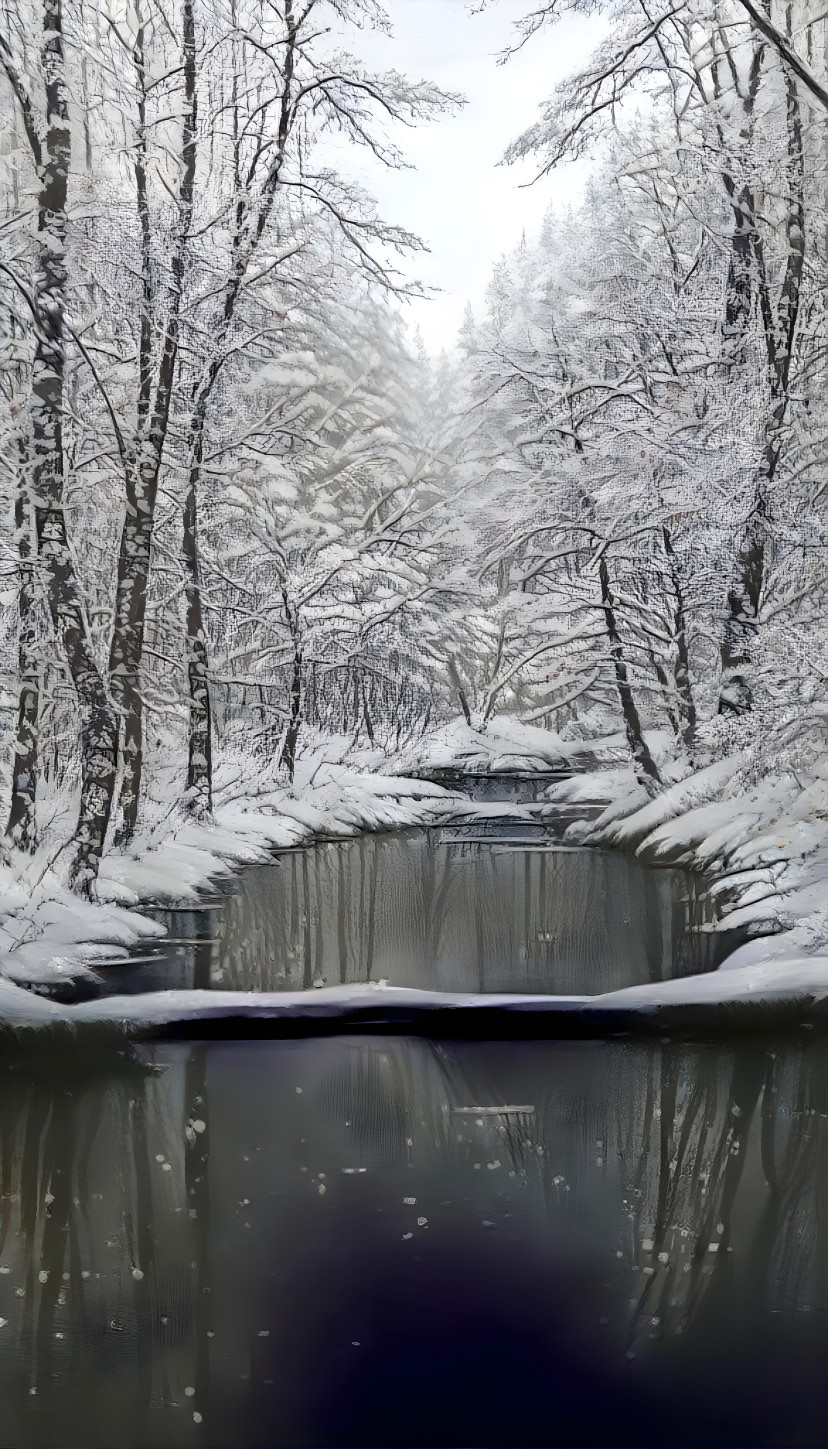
(395, 1242)
(445, 912)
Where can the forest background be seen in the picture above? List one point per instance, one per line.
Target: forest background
(245, 517)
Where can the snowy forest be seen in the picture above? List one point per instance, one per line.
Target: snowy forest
(245, 514)
(413, 770)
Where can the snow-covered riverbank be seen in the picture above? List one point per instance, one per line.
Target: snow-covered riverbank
(762, 837)
(763, 841)
(49, 935)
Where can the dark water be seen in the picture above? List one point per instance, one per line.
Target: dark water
(358, 1242)
(515, 787)
(443, 910)
(354, 1242)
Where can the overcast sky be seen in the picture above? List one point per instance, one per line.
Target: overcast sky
(464, 206)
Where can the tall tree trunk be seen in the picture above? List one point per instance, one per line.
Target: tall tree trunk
(664, 680)
(98, 723)
(144, 467)
(250, 224)
(288, 756)
(291, 740)
(741, 623)
(681, 672)
(21, 830)
(200, 733)
(642, 759)
(457, 685)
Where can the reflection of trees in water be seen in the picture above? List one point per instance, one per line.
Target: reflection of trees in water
(399, 1100)
(654, 1153)
(686, 1156)
(92, 1243)
(710, 1161)
(197, 1185)
(794, 1144)
(460, 916)
(365, 1094)
(726, 1184)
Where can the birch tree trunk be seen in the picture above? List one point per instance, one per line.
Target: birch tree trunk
(99, 741)
(99, 734)
(21, 829)
(250, 225)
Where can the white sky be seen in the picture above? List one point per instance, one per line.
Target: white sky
(466, 208)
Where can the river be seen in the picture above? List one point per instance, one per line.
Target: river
(365, 1241)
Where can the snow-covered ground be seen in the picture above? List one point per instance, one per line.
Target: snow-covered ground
(764, 842)
(507, 746)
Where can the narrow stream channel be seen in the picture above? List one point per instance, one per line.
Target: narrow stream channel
(358, 1241)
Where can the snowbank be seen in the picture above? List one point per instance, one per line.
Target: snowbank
(764, 841)
(788, 991)
(507, 746)
(49, 936)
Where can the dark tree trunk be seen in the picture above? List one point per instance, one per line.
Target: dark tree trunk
(288, 756)
(741, 622)
(664, 680)
(643, 761)
(250, 224)
(366, 712)
(21, 830)
(200, 745)
(684, 685)
(457, 685)
(144, 468)
(99, 726)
